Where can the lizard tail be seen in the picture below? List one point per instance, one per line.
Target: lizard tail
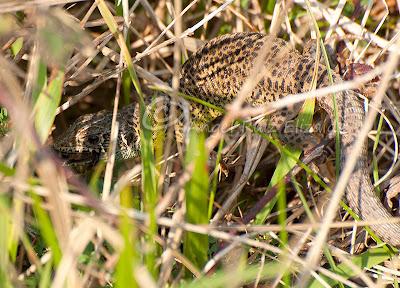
(360, 191)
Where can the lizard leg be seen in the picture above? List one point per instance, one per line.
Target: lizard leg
(300, 138)
(284, 123)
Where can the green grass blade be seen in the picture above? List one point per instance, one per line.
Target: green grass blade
(41, 81)
(331, 262)
(287, 162)
(46, 105)
(367, 259)
(240, 277)
(149, 179)
(126, 81)
(3, 121)
(282, 219)
(45, 276)
(6, 171)
(17, 46)
(149, 188)
(124, 272)
(112, 25)
(5, 226)
(215, 178)
(195, 246)
(46, 228)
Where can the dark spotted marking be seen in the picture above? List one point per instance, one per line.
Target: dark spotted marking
(322, 77)
(227, 61)
(269, 83)
(310, 66)
(221, 69)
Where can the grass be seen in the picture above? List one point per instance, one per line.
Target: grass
(160, 229)
(195, 246)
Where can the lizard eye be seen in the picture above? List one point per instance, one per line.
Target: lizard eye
(93, 139)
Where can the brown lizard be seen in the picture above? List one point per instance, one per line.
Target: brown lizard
(215, 73)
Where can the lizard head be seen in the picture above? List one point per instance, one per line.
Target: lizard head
(87, 140)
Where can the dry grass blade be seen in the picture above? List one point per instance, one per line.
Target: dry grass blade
(14, 6)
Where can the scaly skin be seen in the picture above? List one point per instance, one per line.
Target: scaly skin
(215, 74)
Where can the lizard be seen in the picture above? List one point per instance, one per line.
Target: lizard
(215, 73)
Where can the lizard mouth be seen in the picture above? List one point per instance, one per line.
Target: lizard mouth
(80, 161)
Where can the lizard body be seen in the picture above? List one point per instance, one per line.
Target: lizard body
(215, 73)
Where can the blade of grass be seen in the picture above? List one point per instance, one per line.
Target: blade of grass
(6, 170)
(243, 276)
(286, 162)
(374, 158)
(149, 188)
(46, 105)
(41, 81)
(5, 227)
(149, 182)
(3, 121)
(128, 257)
(45, 276)
(112, 25)
(46, 228)
(282, 218)
(215, 178)
(367, 259)
(17, 45)
(126, 81)
(195, 246)
(332, 263)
